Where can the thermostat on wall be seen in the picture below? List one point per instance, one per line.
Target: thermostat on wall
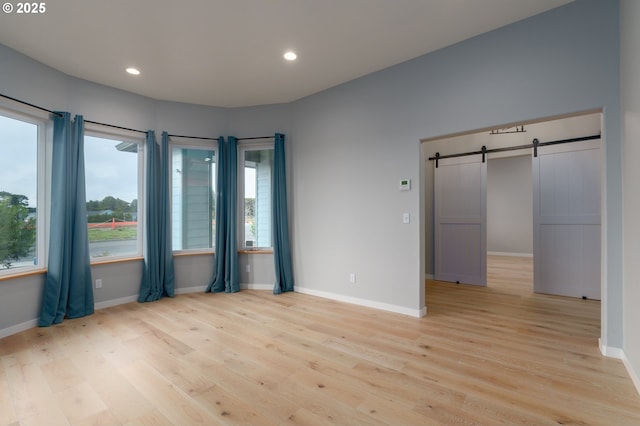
(405, 184)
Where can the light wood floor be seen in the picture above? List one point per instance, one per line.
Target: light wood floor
(482, 356)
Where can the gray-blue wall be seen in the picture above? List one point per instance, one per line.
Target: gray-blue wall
(630, 90)
(353, 143)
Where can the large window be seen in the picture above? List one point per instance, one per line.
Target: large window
(21, 193)
(256, 176)
(113, 169)
(193, 198)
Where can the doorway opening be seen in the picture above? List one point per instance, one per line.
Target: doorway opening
(510, 224)
(511, 231)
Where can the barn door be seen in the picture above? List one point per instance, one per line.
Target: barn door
(566, 219)
(461, 220)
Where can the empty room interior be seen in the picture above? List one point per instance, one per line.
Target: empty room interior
(356, 212)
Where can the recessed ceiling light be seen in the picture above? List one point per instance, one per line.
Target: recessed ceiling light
(290, 56)
(133, 71)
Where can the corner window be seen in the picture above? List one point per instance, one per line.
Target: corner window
(193, 196)
(255, 180)
(22, 210)
(113, 169)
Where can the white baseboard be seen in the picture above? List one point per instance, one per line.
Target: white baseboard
(418, 313)
(510, 254)
(267, 287)
(428, 276)
(14, 329)
(115, 302)
(618, 353)
(203, 288)
(188, 290)
(610, 351)
(632, 373)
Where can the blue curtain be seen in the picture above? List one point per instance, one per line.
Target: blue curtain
(226, 275)
(68, 288)
(281, 244)
(158, 278)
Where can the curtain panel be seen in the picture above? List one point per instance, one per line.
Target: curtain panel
(68, 290)
(226, 274)
(158, 278)
(281, 243)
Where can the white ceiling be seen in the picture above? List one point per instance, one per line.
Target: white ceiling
(229, 52)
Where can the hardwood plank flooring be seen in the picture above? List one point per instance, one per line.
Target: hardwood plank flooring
(481, 356)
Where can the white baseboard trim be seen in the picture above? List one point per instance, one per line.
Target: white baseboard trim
(14, 329)
(510, 254)
(115, 302)
(267, 287)
(418, 313)
(203, 288)
(632, 373)
(188, 290)
(618, 353)
(610, 351)
(428, 276)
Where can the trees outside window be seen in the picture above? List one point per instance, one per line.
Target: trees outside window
(21, 187)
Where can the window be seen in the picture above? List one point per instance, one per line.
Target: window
(22, 210)
(113, 169)
(193, 197)
(255, 178)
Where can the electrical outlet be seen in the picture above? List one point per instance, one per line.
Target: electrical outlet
(352, 278)
(99, 283)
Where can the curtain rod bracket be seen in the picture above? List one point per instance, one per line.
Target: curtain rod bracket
(437, 159)
(535, 147)
(484, 153)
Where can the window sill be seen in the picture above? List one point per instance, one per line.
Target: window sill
(209, 253)
(184, 253)
(113, 261)
(256, 251)
(24, 274)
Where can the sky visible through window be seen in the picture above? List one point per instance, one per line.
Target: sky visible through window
(109, 172)
(19, 161)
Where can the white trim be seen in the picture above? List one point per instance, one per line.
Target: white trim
(417, 313)
(42, 121)
(110, 134)
(632, 373)
(188, 290)
(428, 277)
(14, 329)
(244, 146)
(510, 254)
(610, 351)
(618, 353)
(115, 302)
(267, 287)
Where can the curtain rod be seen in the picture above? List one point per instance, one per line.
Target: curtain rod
(120, 127)
(215, 139)
(255, 137)
(535, 144)
(116, 127)
(31, 105)
(193, 137)
(60, 115)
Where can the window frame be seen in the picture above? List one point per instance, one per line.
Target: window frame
(107, 132)
(195, 144)
(267, 143)
(44, 125)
